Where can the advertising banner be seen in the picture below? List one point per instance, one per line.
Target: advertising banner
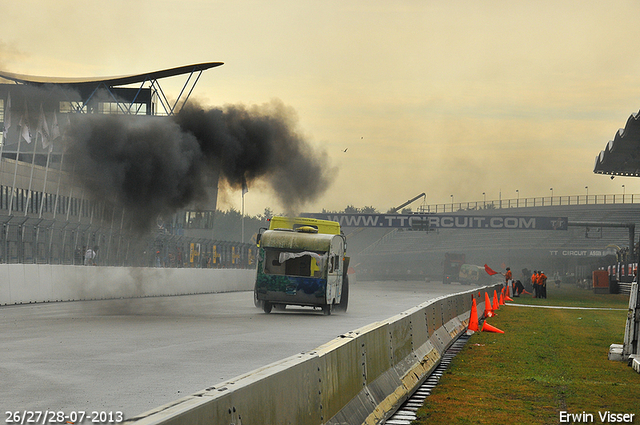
(444, 221)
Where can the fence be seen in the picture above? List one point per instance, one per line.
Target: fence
(46, 219)
(548, 201)
(32, 241)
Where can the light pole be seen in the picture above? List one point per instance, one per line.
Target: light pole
(244, 191)
(242, 217)
(551, 189)
(451, 203)
(484, 199)
(623, 193)
(587, 187)
(517, 198)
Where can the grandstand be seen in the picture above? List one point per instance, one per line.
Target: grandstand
(47, 217)
(408, 254)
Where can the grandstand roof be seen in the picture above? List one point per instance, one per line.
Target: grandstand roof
(621, 156)
(108, 81)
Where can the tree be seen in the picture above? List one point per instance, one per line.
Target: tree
(351, 210)
(227, 225)
(267, 214)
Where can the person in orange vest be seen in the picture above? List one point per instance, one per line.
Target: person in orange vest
(542, 284)
(507, 277)
(534, 283)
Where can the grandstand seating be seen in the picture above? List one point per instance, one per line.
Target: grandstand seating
(421, 253)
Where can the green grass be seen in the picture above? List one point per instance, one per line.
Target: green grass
(571, 296)
(547, 361)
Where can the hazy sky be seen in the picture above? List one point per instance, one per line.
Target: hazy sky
(443, 97)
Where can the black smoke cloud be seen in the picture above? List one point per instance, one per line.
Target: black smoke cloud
(153, 166)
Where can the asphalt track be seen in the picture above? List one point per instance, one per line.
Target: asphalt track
(132, 355)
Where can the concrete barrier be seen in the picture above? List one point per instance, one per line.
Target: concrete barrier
(33, 283)
(357, 378)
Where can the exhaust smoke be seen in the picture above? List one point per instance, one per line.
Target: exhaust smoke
(154, 166)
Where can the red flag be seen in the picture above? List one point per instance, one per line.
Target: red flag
(489, 271)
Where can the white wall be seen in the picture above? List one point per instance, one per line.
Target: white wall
(31, 283)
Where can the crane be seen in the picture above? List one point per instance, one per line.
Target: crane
(396, 209)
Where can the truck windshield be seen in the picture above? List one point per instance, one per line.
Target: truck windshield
(288, 263)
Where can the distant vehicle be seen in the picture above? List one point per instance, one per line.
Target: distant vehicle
(472, 274)
(302, 261)
(456, 270)
(452, 264)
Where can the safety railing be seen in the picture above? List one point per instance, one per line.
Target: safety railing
(543, 201)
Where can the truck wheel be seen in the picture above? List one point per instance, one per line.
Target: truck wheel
(266, 306)
(326, 309)
(258, 303)
(344, 299)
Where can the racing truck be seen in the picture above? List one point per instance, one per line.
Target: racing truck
(302, 261)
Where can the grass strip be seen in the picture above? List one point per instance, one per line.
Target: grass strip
(547, 361)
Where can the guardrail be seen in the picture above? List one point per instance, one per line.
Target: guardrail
(357, 378)
(541, 201)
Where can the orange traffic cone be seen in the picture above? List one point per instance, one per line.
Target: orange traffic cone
(473, 319)
(488, 310)
(488, 328)
(508, 298)
(502, 298)
(496, 305)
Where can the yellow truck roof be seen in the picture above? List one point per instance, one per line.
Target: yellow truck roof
(323, 226)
